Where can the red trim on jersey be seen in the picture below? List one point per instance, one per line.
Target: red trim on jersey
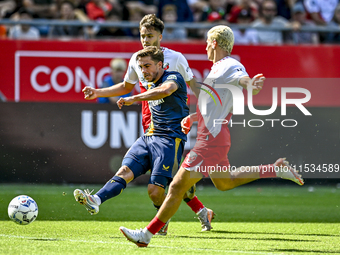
(219, 61)
(146, 114)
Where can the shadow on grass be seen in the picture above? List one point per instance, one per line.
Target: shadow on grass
(247, 238)
(261, 233)
(304, 251)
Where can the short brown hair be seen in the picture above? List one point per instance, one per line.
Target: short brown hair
(152, 51)
(169, 8)
(151, 21)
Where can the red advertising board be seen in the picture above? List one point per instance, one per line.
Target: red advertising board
(56, 71)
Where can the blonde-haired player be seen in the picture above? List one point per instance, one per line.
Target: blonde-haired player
(213, 141)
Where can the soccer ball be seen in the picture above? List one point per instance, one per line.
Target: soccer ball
(23, 210)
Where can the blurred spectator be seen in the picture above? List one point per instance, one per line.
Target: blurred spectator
(170, 16)
(231, 3)
(247, 5)
(98, 9)
(284, 8)
(245, 36)
(268, 19)
(184, 13)
(3, 32)
(123, 9)
(24, 31)
(335, 23)
(299, 20)
(113, 16)
(146, 6)
(214, 11)
(197, 7)
(41, 8)
(80, 5)
(5, 7)
(118, 69)
(135, 15)
(321, 11)
(68, 12)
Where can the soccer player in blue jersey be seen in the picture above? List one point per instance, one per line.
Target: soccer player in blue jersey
(160, 148)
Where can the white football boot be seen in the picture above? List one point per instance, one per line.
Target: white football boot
(138, 237)
(205, 216)
(87, 200)
(285, 171)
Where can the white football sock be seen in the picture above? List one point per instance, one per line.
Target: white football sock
(98, 200)
(148, 234)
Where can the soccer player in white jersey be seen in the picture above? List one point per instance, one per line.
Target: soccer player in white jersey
(213, 141)
(151, 29)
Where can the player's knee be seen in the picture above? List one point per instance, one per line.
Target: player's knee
(125, 173)
(176, 189)
(156, 195)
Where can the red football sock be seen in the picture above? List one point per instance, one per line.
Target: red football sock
(195, 204)
(155, 225)
(267, 171)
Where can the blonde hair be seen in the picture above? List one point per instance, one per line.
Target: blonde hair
(224, 37)
(118, 64)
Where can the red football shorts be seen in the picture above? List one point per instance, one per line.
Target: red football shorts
(204, 159)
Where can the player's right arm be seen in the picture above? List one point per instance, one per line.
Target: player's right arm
(255, 84)
(115, 90)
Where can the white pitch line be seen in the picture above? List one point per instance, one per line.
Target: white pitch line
(129, 243)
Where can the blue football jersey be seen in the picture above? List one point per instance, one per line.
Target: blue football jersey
(167, 113)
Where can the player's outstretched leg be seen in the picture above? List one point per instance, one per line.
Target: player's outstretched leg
(138, 237)
(87, 200)
(285, 171)
(112, 188)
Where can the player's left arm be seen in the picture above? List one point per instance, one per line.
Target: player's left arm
(165, 90)
(194, 86)
(185, 70)
(255, 84)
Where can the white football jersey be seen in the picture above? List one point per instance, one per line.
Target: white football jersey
(227, 71)
(173, 61)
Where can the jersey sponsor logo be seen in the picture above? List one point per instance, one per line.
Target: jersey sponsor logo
(172, 77)
(155, 102)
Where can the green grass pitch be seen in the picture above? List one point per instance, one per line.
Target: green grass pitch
(265, 220)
